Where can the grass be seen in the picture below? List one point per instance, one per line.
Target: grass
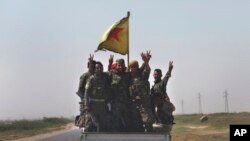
(23, 128)
(189, 127)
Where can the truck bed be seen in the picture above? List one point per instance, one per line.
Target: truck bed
(161, 133)
(125, 137)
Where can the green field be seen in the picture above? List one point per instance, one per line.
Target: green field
(23, 128)
(189, 127)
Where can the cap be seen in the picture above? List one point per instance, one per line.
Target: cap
(133, 63)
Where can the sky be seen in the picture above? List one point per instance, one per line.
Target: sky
(45, 45)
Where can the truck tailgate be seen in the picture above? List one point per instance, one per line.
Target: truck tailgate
(125, 137)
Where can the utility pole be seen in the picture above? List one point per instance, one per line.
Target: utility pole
(226, 102)
(200, 107)
(182, 106)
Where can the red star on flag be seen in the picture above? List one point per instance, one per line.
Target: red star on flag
(115, 34)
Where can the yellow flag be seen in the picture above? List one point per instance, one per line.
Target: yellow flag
(116, 37)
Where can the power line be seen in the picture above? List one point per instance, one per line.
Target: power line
(199, 103)
(182, 106)
(226, 101)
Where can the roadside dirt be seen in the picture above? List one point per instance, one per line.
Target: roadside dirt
(201, 133)
(51, 132)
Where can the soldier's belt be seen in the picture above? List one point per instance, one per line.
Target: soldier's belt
(96, 100)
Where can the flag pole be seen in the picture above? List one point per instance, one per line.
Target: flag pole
(128, 14)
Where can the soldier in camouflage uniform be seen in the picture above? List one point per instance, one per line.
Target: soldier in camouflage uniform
(79, 121)
(85, 76)
(96, 99)
(160, 99)
(120, 101)
(140, 93)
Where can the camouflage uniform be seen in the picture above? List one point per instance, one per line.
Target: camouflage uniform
(120, 101)
(164, 108)
(79, 120)
(83, 81)
(140, 94)
(97, 94)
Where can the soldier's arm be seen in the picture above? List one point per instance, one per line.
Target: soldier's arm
(168, 75)
(111, 60)
(142, 66)
(91, 64)
(146, 57)
(147, 70)
(81, 87)
(87, 93)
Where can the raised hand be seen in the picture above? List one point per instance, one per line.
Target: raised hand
(91, 58)
(146, 56)
(143, 56)
(170, 66)
(111, 59)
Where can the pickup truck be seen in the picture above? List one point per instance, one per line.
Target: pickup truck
(160, 134)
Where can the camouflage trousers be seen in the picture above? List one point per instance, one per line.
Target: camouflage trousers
(98, 119)
(80, 119)
(121, 116)
(144, 111)
(164, 112)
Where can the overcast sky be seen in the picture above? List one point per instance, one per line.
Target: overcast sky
(45, 44)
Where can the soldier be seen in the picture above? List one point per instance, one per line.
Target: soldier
(160, 99)
(79, 121)
(85, 76)
(120, 100)
(96, 100)
(140, 93)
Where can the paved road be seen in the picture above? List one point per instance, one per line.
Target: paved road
(71, 135)
(74, 135)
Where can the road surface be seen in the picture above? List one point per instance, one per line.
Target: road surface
(70, 135)
(74, 135)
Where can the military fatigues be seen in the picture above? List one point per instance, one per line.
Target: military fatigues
(79, 121)
(140, 94)
(83, 81)
(164, 108)
(97, 95)
(120, 101)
